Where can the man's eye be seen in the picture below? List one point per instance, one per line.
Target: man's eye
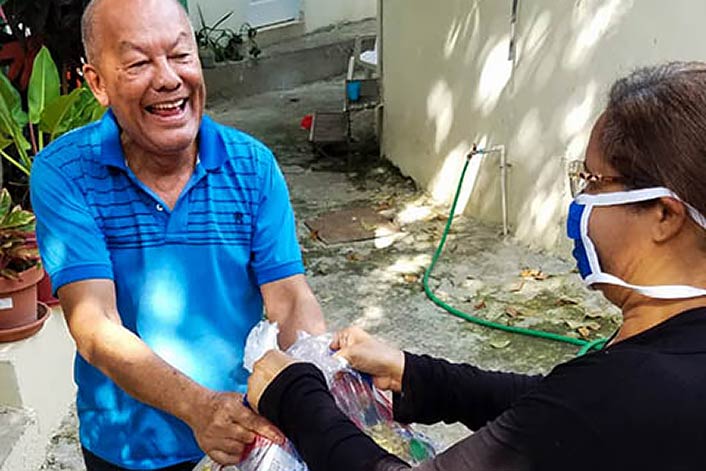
(181, 56)
(139, 64)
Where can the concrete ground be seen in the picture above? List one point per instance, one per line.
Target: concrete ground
(379, 287)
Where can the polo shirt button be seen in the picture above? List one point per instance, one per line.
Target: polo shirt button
(159, 207)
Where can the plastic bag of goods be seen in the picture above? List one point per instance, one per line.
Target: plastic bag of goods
(365, 406)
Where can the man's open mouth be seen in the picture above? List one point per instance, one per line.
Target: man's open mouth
(168, 108)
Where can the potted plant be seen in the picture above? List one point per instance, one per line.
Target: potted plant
(217, 44)
(49, 114)
(20, 271)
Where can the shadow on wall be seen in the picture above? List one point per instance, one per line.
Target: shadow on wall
(449, 83)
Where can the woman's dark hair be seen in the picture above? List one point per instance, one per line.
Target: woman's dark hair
(654, 129)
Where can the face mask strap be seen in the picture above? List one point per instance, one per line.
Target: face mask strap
(655, 292)
(638, 196)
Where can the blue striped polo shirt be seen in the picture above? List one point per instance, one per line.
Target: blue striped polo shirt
(187, 279)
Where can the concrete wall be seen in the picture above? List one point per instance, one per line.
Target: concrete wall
(36, 377)
(322, 13)
(448, 83)
(315, 13)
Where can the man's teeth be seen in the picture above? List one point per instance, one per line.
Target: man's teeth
(169, 106)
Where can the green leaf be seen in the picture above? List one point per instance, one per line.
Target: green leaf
(5, 203)
(8, 125)
(13, 102)
(5, 141)
(18, 219)
(44, 85)
(97, 112)
(57, 113)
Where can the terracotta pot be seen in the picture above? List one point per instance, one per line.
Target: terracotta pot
(19, 333)
(18, 299)
(44, 291)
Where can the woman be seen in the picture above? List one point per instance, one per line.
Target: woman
(638, 227)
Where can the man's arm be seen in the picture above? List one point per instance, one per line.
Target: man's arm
(221, 424)
(291, 303)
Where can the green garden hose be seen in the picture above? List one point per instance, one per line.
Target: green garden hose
(585, 345)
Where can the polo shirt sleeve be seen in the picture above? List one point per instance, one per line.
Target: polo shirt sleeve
(70, 243)
(275, 249)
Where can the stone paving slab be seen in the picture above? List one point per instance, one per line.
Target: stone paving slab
(13, 424)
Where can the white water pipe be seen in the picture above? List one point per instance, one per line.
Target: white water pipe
(503, 177)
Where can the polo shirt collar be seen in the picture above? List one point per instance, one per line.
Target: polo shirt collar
(212, 149)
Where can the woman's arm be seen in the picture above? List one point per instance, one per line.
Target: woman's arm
(435, 390)
(431, 390)
(298, 401)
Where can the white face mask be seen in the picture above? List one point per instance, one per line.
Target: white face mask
(585, 251)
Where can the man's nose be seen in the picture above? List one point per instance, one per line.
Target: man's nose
(166, 77)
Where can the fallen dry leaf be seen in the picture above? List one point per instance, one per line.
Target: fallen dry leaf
(593, 325)
(517, 286)
(512, 312)
(584, 332)
(500, 343)
(314, 235)
(533, 274)
(479, 306)
(353, 257)
(566, 302)
(410, 277)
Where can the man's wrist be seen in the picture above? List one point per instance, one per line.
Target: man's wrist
(194, 404)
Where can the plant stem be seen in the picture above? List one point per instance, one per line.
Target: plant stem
(33, 139)
(14, 162)
(41, 140)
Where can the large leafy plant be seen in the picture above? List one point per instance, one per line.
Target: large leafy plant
(18, 244)
(49, 114)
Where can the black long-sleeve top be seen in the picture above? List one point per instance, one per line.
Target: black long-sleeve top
(636, 405)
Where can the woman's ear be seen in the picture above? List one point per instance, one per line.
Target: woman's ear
(671, 216)
(96, 84)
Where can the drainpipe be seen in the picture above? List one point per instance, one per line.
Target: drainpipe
(503, 177)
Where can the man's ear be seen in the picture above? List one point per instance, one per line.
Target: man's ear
(96, 84)
(671, 217)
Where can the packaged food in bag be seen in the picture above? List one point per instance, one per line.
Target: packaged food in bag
(367, 407)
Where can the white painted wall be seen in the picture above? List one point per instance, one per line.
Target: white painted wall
(315, 13)
(322, 13)
(448, 83)
(36, 374)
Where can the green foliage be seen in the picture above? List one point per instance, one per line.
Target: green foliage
(50, 112)
(225, 43)
(18, 246)
(68, 112)
(44, 85)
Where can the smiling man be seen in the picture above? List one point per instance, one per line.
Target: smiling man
(164, 234)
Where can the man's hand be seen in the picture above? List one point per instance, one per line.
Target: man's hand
(367, 354)
(223, 427)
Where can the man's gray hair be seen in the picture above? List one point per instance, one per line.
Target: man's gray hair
(89, 35)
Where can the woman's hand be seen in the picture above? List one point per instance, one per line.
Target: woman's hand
(265, 370)
(367, 354)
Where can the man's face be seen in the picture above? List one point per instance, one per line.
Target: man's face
(148, 71)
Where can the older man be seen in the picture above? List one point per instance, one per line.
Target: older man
(164, 233)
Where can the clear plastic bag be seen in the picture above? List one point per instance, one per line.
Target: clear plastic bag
(354, 393)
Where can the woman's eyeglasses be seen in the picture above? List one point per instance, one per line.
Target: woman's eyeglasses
(581, 179)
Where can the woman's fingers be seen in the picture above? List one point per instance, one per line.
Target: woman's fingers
(348, 337)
